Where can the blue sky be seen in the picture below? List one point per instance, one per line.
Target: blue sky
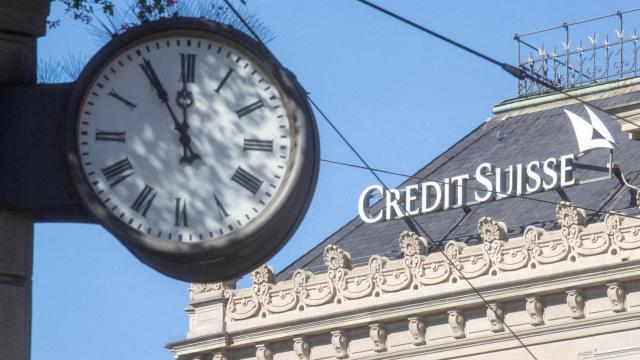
(399, 96)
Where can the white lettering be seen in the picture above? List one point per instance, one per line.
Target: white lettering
(549, 168)
(408, 200)
(521, 179)
(363, 205)
(566, 170)
(502, 193)
(533, 174)
(426, 208)
(392, 197)
(481, 171)
(460, 183)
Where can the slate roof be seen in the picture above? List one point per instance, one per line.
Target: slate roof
(502, 142)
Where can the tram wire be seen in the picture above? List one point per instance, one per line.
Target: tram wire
(410, 217)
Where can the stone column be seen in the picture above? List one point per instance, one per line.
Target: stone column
(21, 23)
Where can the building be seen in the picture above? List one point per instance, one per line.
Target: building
(558, 270)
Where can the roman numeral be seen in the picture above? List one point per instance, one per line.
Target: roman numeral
(144, 200)
(247, 180)
(221, 210)
(188, 64)
(118, 172)
(116, 136)
(181, 213)
(224, 80)
(117, 96)
(250, 108)
(258, 145)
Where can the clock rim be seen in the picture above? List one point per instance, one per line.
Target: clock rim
(272, 226)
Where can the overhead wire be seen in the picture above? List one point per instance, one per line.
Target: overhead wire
(495, 192)
(517, 72)
(410, 218)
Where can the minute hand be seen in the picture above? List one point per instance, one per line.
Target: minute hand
(148, 70)
(184, 138)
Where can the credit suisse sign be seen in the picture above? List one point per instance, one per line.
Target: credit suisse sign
(494, 183)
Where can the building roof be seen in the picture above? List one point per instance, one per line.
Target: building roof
(503, 140)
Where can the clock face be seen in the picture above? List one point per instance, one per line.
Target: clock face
(184, 137)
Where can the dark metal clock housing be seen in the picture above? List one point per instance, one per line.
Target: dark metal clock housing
(247, 245)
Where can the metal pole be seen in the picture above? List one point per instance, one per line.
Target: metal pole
(567, 51)
(621, 46)
(516, 37)
(21, 22)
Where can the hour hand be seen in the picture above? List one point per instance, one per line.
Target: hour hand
(148, 70)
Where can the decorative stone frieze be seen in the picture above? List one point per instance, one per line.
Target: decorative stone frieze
(263, 352)
(555, 250)
(220, 355)
(338, 263)
(535, 309)
(417, 269)
(340, 344)
(456, 322)
(576, 303)
(378, 335)
(495, 314)
(417, 330)
(617, 295)
(302, 347)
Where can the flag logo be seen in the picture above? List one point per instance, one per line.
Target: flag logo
(590, 134)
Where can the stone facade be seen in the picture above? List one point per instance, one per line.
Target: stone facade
(561, 291)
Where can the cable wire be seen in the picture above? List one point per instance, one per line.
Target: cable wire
(514, 71)
(495, 192)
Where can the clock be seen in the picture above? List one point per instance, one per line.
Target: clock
(193, 146)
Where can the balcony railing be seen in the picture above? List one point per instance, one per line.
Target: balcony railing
(595, 59)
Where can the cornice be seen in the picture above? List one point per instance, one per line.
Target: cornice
(536, 263)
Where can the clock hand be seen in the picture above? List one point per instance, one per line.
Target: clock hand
(184, 138)
(184, 99)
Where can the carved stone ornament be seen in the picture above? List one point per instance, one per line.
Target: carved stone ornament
(263, 275)
(378, 335)
(339, 342)
(491, 230)
(452, 250)
(494, 235)
(571, 220)
(535, 309)
(495, 314)
(200, 288)
(456, 322)
(335, 258)
(576, 302)
(263, 352)
(617, 295)
(417, 330)
(302, 347)
(220, 355)
(411, 244)
(613, 223)
(568, 215)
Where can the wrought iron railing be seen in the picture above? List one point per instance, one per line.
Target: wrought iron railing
(596, 60)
